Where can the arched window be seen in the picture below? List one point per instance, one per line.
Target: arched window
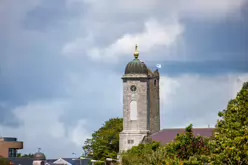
(155, 82)
(133, 110)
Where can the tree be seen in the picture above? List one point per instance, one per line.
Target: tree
(230, 142)
(187, 145)
(25, 155)
(105, 141)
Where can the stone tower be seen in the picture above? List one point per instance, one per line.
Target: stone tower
(141, 113)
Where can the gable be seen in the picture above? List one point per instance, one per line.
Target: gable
(71, 161)
(61, 161)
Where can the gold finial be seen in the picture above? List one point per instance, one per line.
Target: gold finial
(136, 52)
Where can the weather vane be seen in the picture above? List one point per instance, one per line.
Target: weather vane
(136, 52)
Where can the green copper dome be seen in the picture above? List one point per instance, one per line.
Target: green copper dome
(136, 66)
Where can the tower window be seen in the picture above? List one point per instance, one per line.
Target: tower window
(130, 141)
(155, 82)
(133, 110)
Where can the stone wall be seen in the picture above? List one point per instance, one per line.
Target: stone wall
(134, 131)
(141, 97)
(148, 118)
(154, 104)
(130, 139)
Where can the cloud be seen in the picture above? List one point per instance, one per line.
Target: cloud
(162, 27)
(11, 14)
(56, 98)
(209, 8)
(154, 34)
(93, 96)
(42, 126)
(196, 99)
(80, 133)
(34, 116)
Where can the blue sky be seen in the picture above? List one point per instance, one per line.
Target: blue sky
(61, 63)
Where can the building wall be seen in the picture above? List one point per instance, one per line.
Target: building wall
(6, 145)
(148, 103)
(154, 103)
(135, 137)
(38, 162)
(141, 97)
(134, 131)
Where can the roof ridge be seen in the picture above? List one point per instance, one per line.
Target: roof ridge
(180, 129)
(185, 128)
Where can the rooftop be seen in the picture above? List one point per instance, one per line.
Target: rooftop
(167, 135)
(8, 139)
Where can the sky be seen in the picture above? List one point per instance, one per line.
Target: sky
(61, 63)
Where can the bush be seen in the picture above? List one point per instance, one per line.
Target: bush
(4, 161)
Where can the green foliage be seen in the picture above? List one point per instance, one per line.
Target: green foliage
(25, 155)
(105, 141)
(145, 154)
(186, 149)
(187, 145)
(4, 161)
(99, 163)
(230, 142)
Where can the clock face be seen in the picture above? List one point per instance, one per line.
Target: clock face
(133, 88)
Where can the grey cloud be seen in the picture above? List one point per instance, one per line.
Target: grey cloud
(48, 15)
(32, 67)
(224, 40)
(7, 118)
(202, 39)
(95, 95)
(196, 99)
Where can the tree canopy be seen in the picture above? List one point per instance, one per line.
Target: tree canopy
(105, 141)
(25, 155)
(230, 142)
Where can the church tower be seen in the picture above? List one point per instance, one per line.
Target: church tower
(141, 113)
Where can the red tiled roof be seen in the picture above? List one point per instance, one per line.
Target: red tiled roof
(167, 135)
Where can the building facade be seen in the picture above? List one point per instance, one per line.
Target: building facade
(9, 146)
(141, 110)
